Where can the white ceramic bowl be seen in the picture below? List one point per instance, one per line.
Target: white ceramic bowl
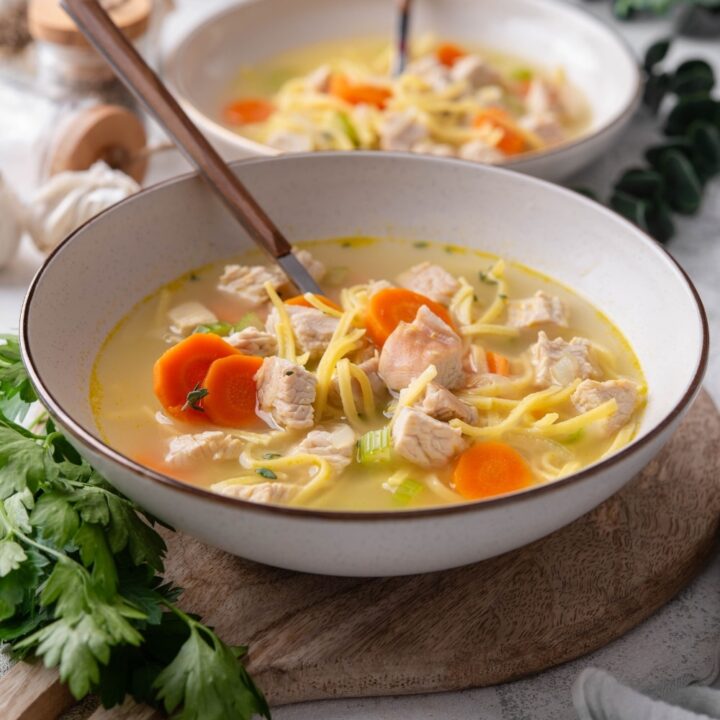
(547, 32)
(96, 276)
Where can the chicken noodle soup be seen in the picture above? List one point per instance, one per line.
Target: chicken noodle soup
(451, 100)
(454, 376)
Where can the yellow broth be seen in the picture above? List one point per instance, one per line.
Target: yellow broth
(130, 419)
(371, 56)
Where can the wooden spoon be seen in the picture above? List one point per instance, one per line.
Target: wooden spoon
(129, 66)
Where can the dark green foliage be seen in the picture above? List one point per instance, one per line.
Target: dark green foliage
(80, 585)
(656, 53)
(683, 191)
(678, 168)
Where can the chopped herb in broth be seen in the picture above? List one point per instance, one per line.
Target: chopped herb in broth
(452, 100)
(445, 378)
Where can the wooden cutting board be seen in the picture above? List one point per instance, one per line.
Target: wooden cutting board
(563, 596)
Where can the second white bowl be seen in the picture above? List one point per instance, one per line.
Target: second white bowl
(547, 32)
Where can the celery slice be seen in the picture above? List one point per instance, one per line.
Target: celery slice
(406, 491)
(375, 446)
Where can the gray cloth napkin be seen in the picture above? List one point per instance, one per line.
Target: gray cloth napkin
(599, 696)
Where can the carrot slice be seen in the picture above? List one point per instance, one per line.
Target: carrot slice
(302, 300)
(392, 306)
(231, 391)
(358, 94)
(181, 368)
(497, 363)
(449, 53)
(513, 141)
(247, 111)
(490, 468)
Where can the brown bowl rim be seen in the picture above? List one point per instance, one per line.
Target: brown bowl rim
(97, 445)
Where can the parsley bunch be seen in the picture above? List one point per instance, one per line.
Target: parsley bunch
(80, 579)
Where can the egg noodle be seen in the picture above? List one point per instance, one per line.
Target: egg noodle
(501, 392)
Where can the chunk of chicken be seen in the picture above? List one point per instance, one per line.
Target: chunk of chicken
(247, 282)
(315, 267)
(413, 346)
(423, 440)
(590, 394)
(318, 80)
(312, 328)
(429, 147)
(252, 341)
(286, 391)
(558, 362)
(546, 127)
(187, 450)
(479, 151)
(431, 281)
(274, 493)
(429, 69)
(441, 404)
(540, 309)
(474, 71)
(401, 130)
(475, 362)
(184, 318)
(540, 98)
(370, 367)
(289, 142)
(336, 444)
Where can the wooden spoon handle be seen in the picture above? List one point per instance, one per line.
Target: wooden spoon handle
(109, 41)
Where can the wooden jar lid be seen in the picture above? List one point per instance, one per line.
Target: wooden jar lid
(48, 21)
(110, 133)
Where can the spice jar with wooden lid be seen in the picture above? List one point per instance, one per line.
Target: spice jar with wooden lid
(64, 56)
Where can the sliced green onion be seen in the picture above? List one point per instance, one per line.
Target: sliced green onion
(219, 328)
(375, 446)
(271, 455)
(522, 74)
(407, 490)
(266, 473)
(348, 128)
(251, 319)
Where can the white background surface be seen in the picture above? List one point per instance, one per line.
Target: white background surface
(679, 643)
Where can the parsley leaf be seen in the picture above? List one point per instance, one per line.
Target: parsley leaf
(80, 583)
(55, 519)
(11, 556)
(23, 463)
(206, 674)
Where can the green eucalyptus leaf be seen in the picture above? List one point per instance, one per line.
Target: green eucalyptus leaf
(655, 153)
(660, 224)
(632, 208)
(693, 77)
(656, 88)
(587, 192)
(642, 183)
(656, 52)
(683, 189)
(705, 156)
(689, 110)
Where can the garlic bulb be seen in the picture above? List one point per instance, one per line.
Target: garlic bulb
(69, 199)
(11, 227)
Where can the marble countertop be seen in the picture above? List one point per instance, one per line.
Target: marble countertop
(677, 644)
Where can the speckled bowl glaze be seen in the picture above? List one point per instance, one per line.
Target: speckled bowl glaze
(98, 274)
(550, 33)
